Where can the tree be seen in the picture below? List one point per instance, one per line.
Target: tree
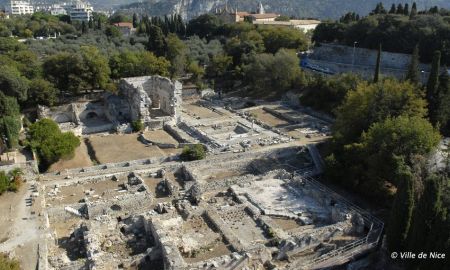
(91, 23)
(413, 74)
(325, 93)
(379, 9)
(135, 20)
(425, 214)
(15, 179)
(376, 77)
(132, 64)
(204, 26)
(42, 92)
(10, 129)
(276, 38)
(176, 54)
(371, 103)
(12, 83)
(393, 9)
(432, 87)
(403, 137)
(96, 70)
(99, 24)
(406, 10)
(65, 70)
(443, 107)
(8, 105)
(196, 71)
(401, 211)
(220, 64)
(50, 143)
(193, 152)
(400, 9)
(10, 123)
(84, 28)
(156, 42)
(413, 10)
(4, 185)
(268, 73)
(113, 31)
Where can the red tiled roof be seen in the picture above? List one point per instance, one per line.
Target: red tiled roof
(124, 24)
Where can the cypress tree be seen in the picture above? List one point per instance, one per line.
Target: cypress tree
(393, 9)
(413, 10)
(83, 27)
(432, 86)
(402, 209)
(399, 9)
(439, 239)
(443, 109)
(413, 74)
(99, 24)
(135, 20)
(376, 77)
(426, 213)
(91, 23)
(406, 10)
(156, 42)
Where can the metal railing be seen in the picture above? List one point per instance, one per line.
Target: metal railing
(348, 251)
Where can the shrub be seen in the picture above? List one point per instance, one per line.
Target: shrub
(50, 143)
(8, 264)
(137, 125)
(193, 152)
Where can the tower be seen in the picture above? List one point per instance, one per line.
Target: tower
(260, 9)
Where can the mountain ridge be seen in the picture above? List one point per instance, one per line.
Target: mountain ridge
(322, 9)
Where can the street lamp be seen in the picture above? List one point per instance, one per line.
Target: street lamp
(353, 57)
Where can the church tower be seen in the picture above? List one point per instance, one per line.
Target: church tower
(260, 9)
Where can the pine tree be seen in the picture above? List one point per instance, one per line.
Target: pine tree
(432, 87)
(413, 74)
(413, 10)
(393, 9)
(402, 209)
(406, 10)
(400, 9)
(376, 77)
(426, 213)
(135, 20)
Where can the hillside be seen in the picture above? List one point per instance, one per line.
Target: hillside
(322, 9)
(300, 8)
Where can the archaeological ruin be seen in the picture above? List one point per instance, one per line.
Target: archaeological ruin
(254, 202)
(154, 100)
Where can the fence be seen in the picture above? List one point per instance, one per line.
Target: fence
(349, 251)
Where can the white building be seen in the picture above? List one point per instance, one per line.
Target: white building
(15, 7)
(80, 11)
(57, 9)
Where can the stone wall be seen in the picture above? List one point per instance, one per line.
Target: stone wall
(363, 57)
(144, 93)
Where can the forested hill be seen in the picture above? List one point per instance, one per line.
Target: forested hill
(322, 9)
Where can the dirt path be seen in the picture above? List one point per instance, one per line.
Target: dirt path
(23, 233)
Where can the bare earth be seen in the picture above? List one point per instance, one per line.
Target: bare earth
(269, 118)
(81, 159)
(117, 148)
(18, 227)
(160, 136)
